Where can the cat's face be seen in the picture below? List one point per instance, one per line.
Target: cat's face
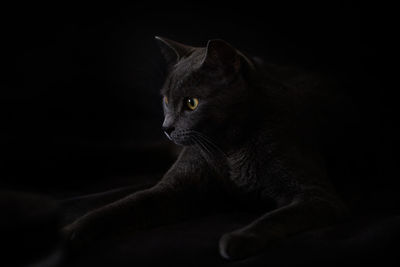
(202, 94)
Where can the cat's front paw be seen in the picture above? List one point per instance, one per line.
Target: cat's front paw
(239, 245)
(76, 237)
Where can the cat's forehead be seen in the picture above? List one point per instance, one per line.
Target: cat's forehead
(183, 77)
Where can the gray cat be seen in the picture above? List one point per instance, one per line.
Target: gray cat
(248, 138)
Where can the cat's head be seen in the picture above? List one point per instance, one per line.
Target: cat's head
(204, 94)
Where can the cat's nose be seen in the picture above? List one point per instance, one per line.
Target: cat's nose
(168, 130)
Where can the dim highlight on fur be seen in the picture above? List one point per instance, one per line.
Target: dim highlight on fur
(253, 139)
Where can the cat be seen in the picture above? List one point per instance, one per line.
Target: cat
(247, 137)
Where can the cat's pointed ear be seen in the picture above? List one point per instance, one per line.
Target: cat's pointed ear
(171, 50)
(220, 54)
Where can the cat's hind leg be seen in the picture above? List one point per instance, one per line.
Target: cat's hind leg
(300, 215)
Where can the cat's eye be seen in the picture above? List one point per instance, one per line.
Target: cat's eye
(192, 103)
(166, 100)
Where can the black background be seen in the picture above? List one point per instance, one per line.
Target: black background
(79, 88)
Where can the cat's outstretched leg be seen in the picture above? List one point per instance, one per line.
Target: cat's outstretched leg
(181, 193)
(154, 206)
(300, 215)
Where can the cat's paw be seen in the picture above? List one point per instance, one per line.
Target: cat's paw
(239, 245)
(69, 232)
(75, 237)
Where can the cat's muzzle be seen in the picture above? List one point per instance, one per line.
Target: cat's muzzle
(182, 138)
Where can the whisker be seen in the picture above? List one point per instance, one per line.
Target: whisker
(215, 161)
(207, 153)
(210, 142)
(202, 145)
(208, 139)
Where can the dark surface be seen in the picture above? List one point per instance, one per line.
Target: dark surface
(80, 113)
(365, 238)
(362, 239)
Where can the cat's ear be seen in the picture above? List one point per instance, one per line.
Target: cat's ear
(171, 50)
(220, 54)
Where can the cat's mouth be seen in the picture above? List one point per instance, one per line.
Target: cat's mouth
(182, 138)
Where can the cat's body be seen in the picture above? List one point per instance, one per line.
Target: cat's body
(246, 136)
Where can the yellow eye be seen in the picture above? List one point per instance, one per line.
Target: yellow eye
(166, 100)
(192, 103)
